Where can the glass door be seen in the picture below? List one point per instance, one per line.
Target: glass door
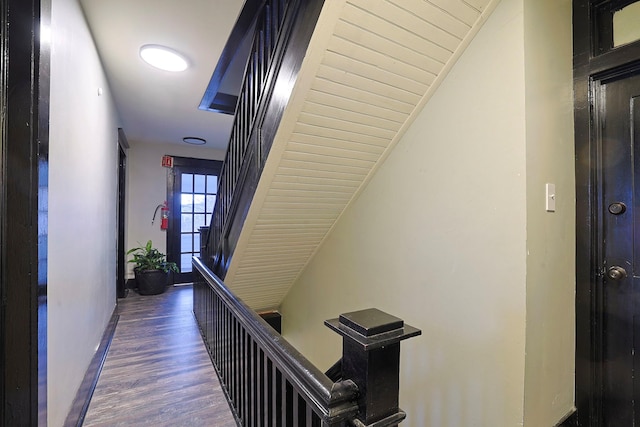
(191, 201)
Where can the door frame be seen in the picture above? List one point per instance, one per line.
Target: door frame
(121, 263)
(24, 141)
(594, 59)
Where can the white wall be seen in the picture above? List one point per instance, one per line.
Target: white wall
(82, 207)
(549, 379)
(438, 238)
(147, 188)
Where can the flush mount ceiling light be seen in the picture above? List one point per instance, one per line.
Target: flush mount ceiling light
(194, 140)
(163, 58)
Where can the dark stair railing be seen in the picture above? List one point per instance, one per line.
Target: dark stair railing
(282, 31)
(269, 383)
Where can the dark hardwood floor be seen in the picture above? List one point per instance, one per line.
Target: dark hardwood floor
(157, 371)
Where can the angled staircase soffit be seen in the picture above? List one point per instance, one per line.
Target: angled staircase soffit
(370, 68)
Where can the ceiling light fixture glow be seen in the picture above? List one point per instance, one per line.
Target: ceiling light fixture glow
(194, 140)
(163, 58)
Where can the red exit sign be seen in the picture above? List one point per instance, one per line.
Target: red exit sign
(167, 161)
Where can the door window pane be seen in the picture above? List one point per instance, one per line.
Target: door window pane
(626, 27)
(186, 202)
(212, 184)
(186, 242)
(186, 222)
(196, 243)
(211, 202)
(187, 183)
(198, 203)
(198, 221)
(185, 263)
(199, 184)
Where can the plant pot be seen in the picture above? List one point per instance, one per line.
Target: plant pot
(151, 282)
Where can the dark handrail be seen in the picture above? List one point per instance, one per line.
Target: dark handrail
(268, 382)
(332, 402)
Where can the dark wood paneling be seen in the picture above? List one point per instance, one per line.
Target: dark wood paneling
(21, 132)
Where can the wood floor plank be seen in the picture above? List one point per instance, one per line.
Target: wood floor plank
(157, 371)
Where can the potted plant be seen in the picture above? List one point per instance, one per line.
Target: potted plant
(151, 269)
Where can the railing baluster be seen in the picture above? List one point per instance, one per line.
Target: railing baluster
(237, 360)
(254, 383)
(230, 361)
(216, 350)
(221, 366)
(227, 347)
(287, 402)
(259, 384)
(268, 379)
(308, 416)
(240, 401)
(276, 404)
(224, 345)
(247, 377)
(297, 416)
(214, 329)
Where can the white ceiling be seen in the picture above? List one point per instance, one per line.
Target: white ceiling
(157, 106)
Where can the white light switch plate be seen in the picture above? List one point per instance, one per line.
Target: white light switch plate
(551, 197)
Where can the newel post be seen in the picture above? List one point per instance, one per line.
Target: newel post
(371, 359)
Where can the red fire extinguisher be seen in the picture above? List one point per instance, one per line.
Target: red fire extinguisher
(164, 215)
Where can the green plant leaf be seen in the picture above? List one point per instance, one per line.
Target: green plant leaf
(149, 258)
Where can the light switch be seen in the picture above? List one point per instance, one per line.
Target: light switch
(551, 197)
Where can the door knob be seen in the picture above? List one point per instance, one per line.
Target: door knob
(617, 208)
(616, 273)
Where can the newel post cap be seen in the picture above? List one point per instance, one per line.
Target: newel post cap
(372, 328)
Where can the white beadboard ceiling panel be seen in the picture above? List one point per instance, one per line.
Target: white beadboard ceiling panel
(370, 68)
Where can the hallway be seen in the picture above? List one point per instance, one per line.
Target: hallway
(157, 371)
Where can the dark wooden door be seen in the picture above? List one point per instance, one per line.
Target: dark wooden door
(618, 314)
(192, 190)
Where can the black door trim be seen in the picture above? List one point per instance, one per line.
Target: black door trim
(123, 145)
(24, 102)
